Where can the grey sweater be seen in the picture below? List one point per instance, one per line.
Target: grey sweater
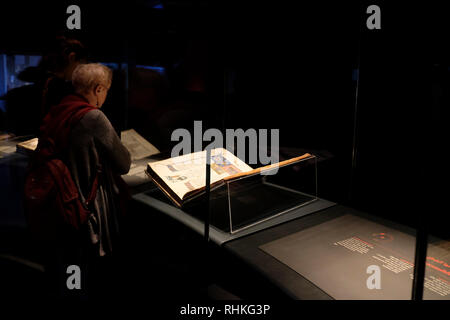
(94, 142)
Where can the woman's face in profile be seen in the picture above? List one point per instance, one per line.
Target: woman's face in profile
(101, 93)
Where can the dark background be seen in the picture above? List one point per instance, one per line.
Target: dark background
(371, 104)
(256, 64)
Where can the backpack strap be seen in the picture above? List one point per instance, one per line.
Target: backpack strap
(57, 127)
(62, 118)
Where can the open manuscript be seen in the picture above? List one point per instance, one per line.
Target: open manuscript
(27, 147)
(139, 147)
(183, 178)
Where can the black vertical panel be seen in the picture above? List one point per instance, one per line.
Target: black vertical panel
(439, 172)
(393, 114)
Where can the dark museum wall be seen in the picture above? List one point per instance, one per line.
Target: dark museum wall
(249, 64)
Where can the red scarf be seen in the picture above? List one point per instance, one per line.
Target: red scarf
(61, 119)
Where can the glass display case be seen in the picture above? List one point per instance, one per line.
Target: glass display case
(254, 199)
(247, 201)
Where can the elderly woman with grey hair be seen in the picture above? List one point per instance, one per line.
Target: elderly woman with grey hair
(95, 144)
(92, 152)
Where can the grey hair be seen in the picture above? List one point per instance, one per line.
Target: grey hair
(87, 76)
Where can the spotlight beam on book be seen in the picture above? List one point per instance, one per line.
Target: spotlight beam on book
(183, 178)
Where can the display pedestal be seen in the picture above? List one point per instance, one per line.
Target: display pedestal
(250, 204)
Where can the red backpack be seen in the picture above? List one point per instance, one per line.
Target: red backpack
(51, 196)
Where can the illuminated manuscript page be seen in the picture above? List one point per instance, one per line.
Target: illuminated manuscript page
(187, 173)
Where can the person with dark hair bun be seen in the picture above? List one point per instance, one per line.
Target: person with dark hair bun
(26, 106)
(62, 57)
